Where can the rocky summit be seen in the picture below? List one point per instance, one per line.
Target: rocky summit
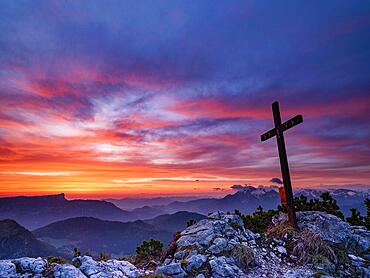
(220, 247)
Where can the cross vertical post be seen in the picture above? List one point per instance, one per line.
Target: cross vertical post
(278, 131)
(284, 165)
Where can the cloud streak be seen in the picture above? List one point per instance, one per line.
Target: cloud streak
(41, 174)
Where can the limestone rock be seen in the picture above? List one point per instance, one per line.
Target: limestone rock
(174, 270)
(7, 269)
(281, 250)
(95, 269)
(225, 267)
(67, 271)
(362, 237)
(32, 265)
(84, 267)
(195, 262)
(328, 226)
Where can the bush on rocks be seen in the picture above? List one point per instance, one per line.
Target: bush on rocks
(55, 260)
(191, 222)
(149, 250)
(103, 257)
(259, 221)
(326, 204)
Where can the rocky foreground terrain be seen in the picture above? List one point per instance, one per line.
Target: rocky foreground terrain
(220, 246)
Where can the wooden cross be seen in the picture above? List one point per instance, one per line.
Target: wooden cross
(278, 131)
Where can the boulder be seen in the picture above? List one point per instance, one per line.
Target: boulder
(224, 267)
(67, 271)
(330, 227)
(195, 262)
(83, 267)
(173, 269)
(281, 249)
(7, 269)
(31, 265)
(95, 269)
(361, 236)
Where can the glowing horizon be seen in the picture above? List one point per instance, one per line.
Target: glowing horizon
(150, 99)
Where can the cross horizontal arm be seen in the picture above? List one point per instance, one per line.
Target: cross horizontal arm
(283, 127)
(268, 134)
(292, 122)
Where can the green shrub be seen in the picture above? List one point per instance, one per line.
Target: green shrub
(356, 219)
(258, 221)
(367, 219)
(191, 222)
(55, 260)
(103, 257)
(76, 252)
(327, 204)
(149, 250)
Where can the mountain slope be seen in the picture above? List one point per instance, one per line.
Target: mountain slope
(116, 238)
(37, 211)
(96, 236)
(16, 241)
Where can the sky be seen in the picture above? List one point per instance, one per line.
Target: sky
(121, 98)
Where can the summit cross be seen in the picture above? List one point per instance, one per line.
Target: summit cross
(278, 131)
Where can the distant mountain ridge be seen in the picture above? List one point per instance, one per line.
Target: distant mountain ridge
(133, 203)
(37, 211)
(246, 199)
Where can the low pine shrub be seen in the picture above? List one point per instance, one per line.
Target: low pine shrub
(191, 222)
(76, 252)
(103, 257)
(355, 219)
(149, 250)
(259, 220)
(326, 204)
(55, 260)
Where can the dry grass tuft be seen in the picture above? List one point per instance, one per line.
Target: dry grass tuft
(282, 229)
(310, 246)
(244, 256)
